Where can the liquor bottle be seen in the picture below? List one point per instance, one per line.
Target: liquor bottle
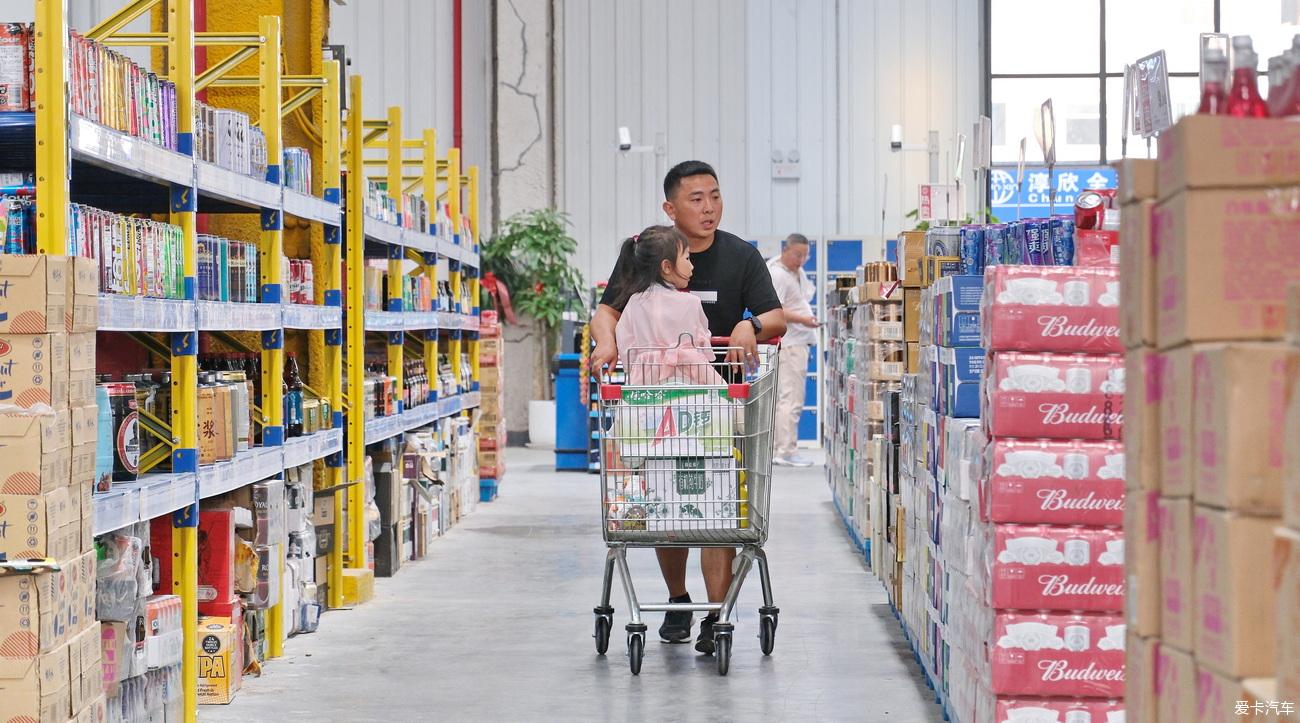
(1243, 97)
(1214, 83)
(292, 397)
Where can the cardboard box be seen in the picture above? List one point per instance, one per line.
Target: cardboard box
(82, 312)
(1142, 562)
(912, 315)
(209, 445)
(1216, 151)
(81, 369)
(934, 268)
(1140, 677)
(913, 357)
(41, 694)
(1291, 466)
(35, 452)
(1225, 261)
(221, 659)
(1175, 685)
(1239, 425)
(1177, 457)
(1143, 397)
(33, 294)
(1177, 587)
(1234, 610)
(1217, 695)
(1137, 180)
(32, 621)
(1286, 579)
(216, 558)
(911, 247)
(1137, 283)
(34, 370)
(38, 526)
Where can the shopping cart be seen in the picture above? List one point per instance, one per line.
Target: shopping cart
(686, 461)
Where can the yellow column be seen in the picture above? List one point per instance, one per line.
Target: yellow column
(331, 183)
(355, 527)
(52, 169)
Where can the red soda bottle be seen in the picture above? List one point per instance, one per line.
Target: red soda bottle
(1243, 97)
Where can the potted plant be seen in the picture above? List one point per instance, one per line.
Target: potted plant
(533, 257)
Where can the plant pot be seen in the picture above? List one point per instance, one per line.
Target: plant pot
(541, 424)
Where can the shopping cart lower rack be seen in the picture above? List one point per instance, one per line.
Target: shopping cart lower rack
(686, 461)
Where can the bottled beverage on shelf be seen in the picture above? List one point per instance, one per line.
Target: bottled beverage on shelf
(1214, 83)
(292, 397)
(1289, 103)
(1243, 96)
(1278, 79)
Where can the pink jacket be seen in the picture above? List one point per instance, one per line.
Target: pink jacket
(663, 336)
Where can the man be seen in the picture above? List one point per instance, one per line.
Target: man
(796, 293)
(730, 278)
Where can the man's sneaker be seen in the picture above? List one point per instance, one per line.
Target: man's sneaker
(798, 461)
(704, 643)
(677, 627)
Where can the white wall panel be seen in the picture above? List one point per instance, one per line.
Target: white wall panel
(733, 81)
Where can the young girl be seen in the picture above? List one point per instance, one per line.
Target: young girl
(663, 335)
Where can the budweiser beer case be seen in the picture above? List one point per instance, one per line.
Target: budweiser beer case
(1049, 710)
(1037, 567)
(1057, 655)
(1053, 482)
(1051, 309)
(1056, 396)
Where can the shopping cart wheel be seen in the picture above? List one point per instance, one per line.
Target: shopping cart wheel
(767, 633)
(722, 650)
(635, 651)
(603, 625)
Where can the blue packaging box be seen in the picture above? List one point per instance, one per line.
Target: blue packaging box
(959, 310)
(962, 370)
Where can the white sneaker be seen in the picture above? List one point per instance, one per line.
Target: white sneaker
(798, 461)
(782, 462)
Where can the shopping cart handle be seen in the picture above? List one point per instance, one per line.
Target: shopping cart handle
(726, 341)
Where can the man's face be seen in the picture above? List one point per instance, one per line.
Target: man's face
(696, 207)
(794, 256)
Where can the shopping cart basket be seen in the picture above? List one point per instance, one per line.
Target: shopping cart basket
(686, 461)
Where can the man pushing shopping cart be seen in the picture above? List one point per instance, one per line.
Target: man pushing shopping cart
(685, 382)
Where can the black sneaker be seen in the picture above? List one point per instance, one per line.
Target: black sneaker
(704, 644)
(677, 625)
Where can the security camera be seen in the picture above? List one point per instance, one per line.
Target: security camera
(624, 138)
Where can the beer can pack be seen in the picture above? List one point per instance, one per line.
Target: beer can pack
(972, 250)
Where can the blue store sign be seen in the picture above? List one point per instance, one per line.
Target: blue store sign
(1034, 197)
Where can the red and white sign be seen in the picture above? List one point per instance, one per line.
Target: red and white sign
(1053, 482)
(1054, 396)
(1051, 309)
(1057, 568)
(1058, 655)
(939, 202)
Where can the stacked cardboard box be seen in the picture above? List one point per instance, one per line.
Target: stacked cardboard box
(492, 426)
(1207, 261)
(50, 666)
(1286, 545)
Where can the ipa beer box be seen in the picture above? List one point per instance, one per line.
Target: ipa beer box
(1057, 655)
(33, 294)
(1057, 396)
(1051, 309)
(35, 451)
(671, 423)
(1234, 627)
(1057, 568)
(34, 369)
(1054, 482)
(1225, 260)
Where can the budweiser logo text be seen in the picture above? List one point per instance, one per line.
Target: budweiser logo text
(1055, 500)
(1059, 670)
(1060, 586)
(1056, 414)
(1058, 326)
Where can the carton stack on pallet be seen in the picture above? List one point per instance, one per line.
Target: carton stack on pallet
(846, 427)
(50, 662)
(492, 426)
(1207, 328)
(882, 320)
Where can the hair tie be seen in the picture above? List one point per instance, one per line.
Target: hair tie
(636, 237)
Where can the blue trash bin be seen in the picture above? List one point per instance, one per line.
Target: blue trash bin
(571, 428)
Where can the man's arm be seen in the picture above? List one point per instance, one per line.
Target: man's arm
(796, 318)
(603, 324)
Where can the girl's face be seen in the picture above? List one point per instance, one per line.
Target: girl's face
(678, 275)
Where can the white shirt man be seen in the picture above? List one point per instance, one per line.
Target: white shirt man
(796, 293)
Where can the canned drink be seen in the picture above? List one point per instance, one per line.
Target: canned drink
(1078, 638)
(1077, 552)
(1088, 210)
(1063, 240)
(995, 237)
(1077, 466)
(943, 241)
(1034, 243)
(972, 250)
(1013, 249)
(1078, 380)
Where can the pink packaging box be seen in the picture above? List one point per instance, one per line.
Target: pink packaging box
(1057, 568)
(1051, 309)
(1055, 396)
(1053, 482)
(1017, 710)
(1057, 655)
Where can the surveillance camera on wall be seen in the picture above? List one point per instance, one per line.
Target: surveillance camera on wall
(896, 137)
(624, 138)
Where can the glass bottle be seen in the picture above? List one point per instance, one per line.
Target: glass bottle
(1278, 79)
(1214, 83)
(1289, 104)
(292, 397)
(1243, 97)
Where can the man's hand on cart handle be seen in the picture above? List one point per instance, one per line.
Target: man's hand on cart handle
(605, 356)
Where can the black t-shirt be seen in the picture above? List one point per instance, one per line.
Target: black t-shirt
(729, 278)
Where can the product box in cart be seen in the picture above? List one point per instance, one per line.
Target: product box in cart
(669, 423)
(1051, 309)
(1053, 482)
(1057, 396)
(666, 495)
(1055, 568)
(1057, 655)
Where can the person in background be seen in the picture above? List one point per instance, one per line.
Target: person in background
(729, 277)
(796, 293)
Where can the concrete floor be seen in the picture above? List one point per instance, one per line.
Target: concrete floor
(496, 626)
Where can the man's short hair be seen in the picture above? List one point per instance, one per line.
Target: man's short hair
(795, 239)
(685, 169)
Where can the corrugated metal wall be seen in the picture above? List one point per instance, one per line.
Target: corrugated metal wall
(738, 82)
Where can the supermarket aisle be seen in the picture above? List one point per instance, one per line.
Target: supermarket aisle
(497, 626)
